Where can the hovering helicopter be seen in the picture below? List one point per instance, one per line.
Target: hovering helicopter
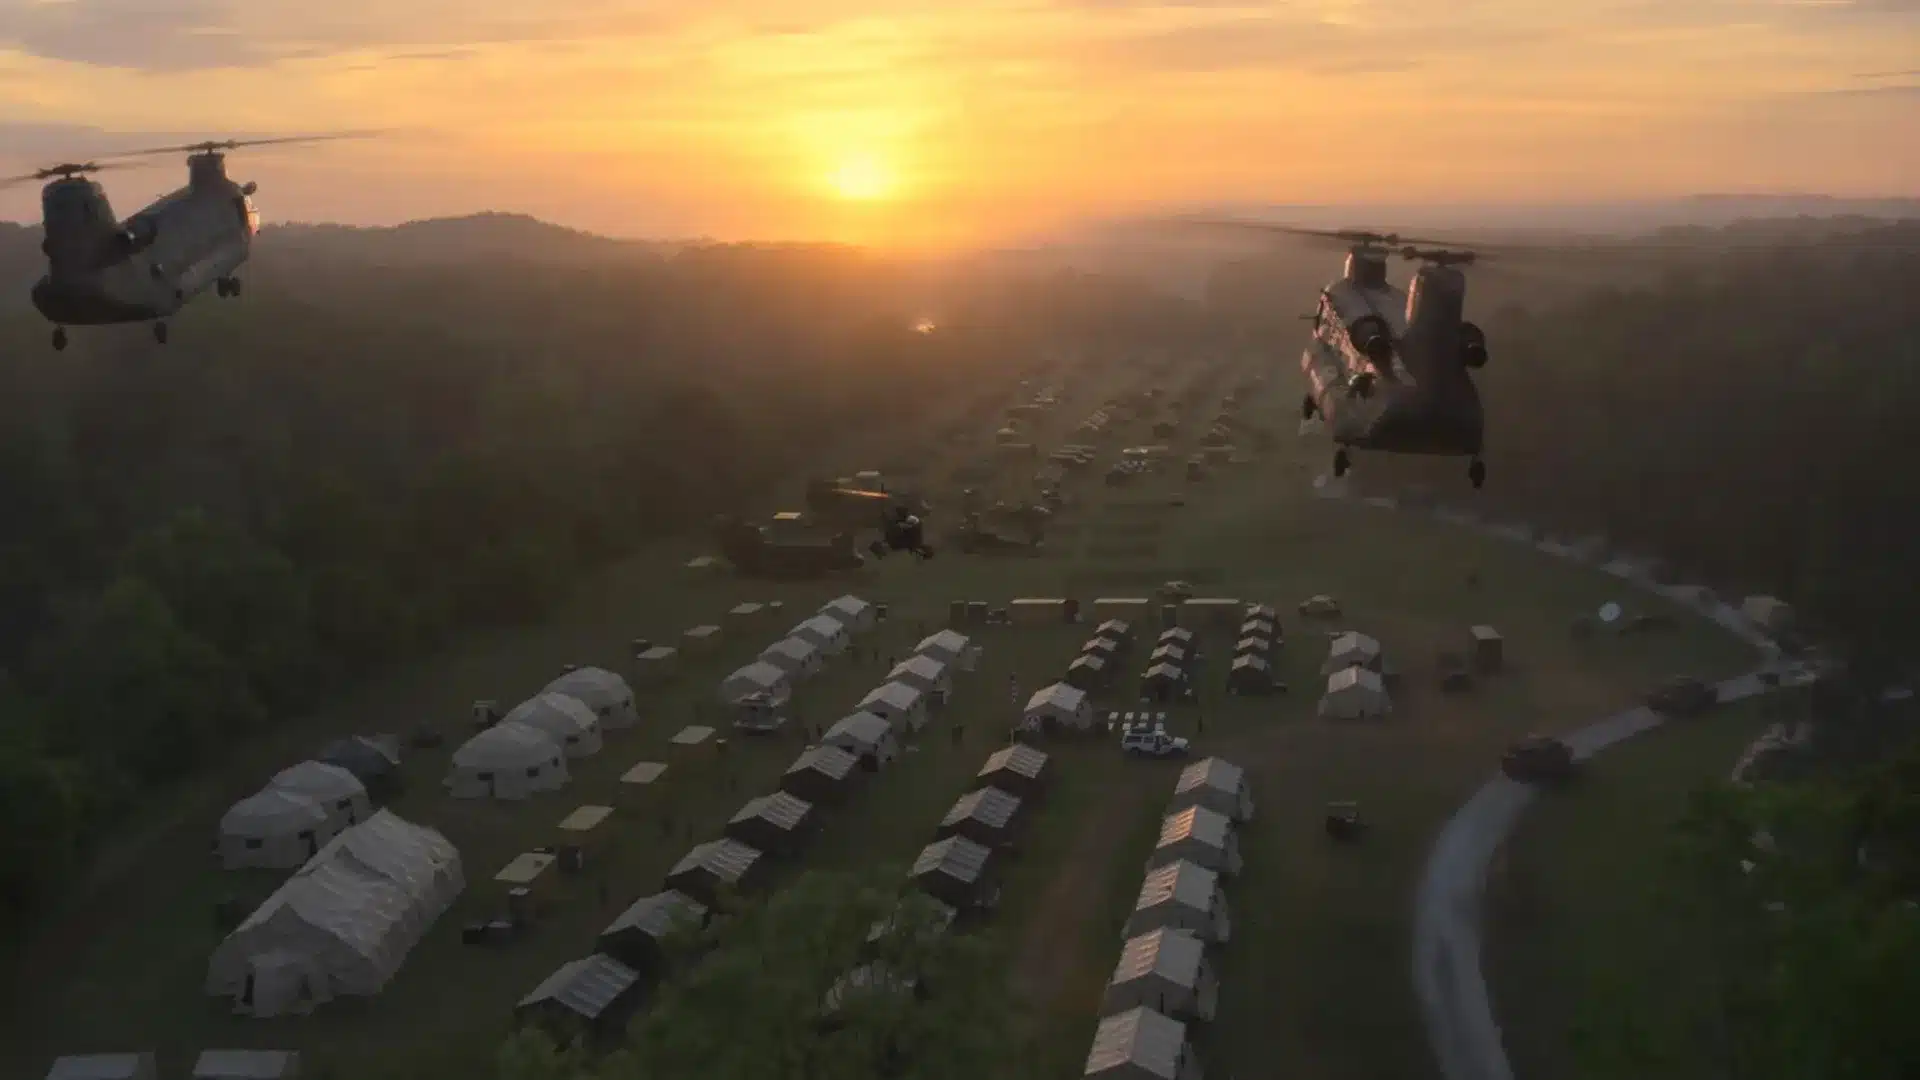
(1388, 369)
(902, 530)
(103, 271)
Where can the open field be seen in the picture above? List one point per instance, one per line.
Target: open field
(1584, 911)
(1314, 983)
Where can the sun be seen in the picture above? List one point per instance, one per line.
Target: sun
(861, 179)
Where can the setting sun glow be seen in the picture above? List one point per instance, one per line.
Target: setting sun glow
(861, 179)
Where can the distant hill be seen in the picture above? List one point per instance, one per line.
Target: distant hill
(456, 239)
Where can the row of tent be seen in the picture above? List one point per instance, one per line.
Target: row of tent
(526, 751)
(1355, 670)
(304, 806)
(1164, 980)
(800, 653)
(898, 707)
(343, 923)
(1254, 652)
(1101, 656)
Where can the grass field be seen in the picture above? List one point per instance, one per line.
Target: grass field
(1583, 944)
(1315, 982)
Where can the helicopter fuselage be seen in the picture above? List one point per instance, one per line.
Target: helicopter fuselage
(102, 272)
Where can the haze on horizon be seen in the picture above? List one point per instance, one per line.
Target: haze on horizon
(915, 123)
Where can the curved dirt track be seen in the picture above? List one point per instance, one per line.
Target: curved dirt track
(1447, 977)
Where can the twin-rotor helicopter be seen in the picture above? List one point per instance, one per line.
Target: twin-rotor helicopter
(104, 271)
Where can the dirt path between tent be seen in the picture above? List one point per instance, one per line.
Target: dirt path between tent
(1056, 934)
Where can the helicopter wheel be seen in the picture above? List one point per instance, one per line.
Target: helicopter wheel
(233, 287)
(160, 333)
(59, 338)
(220, 288)
(1307, 408)
(1341, 463)
(1477, 473)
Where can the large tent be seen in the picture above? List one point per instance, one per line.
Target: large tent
(1141, 1044)
(758, 677)
(850, 611)
(507, 761)
(273, 829)
(798, 657)
(335, 790)
(594, 995)
(1199, 836)
(639, 938)
(1166, 971)
(1217, 784)
(705, 871)
(340, 926)
(1018, 769)
(825, 632)
(607, 694)
(951, 647)
(927, 674)
(1181, 896)
(1059, 706)
(867, 736)
(903, 705)
(1355, 693)
(567, 720)
(776, 824)
(987, 816)
(821, 774)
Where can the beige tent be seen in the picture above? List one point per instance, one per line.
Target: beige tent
(952, 648)
(1355, 693)
(1166, 971)
(1351, 650)
(797, 656)
(566, 720)
(335, 790)
(903, 705)
(507, 761)
(1199, 836)
(924, 673)
(273, 829)
(855, 614)
(1141, 1044)
(826, 633)
(1061, 706)
(247, 1065)
(758, 677)
(1181, 896)
(600, 690)
(341, 926)
(1217, 784)
(865, 735)
(104, 1067)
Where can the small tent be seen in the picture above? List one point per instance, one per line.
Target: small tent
(104, 1067)
(1141, 1044)
(1166, 971)
(1019, 769)
(776, 824)
(1351, 650)
(273, 829)
(1217, 784)
(1251, 675)
(640, 937)
(1181, 896)
(247, 1065)
(821, 774)
(1107, 649)
(867, 736)
(1117, 629)
(336, 790)
(796, 656)
(1162, 682)
(566, 720)
(826, 633)
(593, 997)
(986, 816)
(903, 705)
(951, 647)
(713, 866)
(1059, 706)
(600, 690)
(926, 674)
(1175, 635)
(1088, 673)
(758, 677)
(1355, 693)
(857, 615)
(1171, 653)
(507, 761)
(1199, 836)
(957, 872)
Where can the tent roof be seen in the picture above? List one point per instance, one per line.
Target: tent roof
(798, 648)
(1089, 661)
(597, 687)
(347, 903)
(558, 715)
(956, 857)
(658, 914)
(1113, 627)
(506, 746)
(824, 625)
(779, 809)
(845, 605)
(1057, 696)
(586, 986)
(1354, 641)
(1215, 773)
(946, 641)
(926, 667)
(1195, 823)
(1173, 955)
(1165, 671)
(865, 727)
(898, 695)
(729, 860)
(386, 846)
(830, 761)
(1250, 662)
(1140, 1038)
(1020, 759)
(101, 1067)
(272, 812)
(246, 1064)
(1355, 679)
(317, 780)
(1179, 882)
(760, 673)
(1178, 635)
(989, 806)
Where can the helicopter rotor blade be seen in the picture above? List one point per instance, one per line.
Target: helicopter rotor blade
(236, 144)
(41, 176)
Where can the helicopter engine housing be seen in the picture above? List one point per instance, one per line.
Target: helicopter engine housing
(78, 226)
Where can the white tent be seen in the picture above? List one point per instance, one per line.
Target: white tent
(1351, 650)
(566, 720)
(900, 703)
(1217, 784)
(924, 673)
(1355, 693)
(865, 736)
(758, 677)
(1166, 971)
(607, 694)
(337, 792)
(277, 830)
(1181, 896)
(855, 614)
(950, 647)
(414, 858)
(1141, 1044)
(827, 634)
(507, 761)
(1059, 705)
(1200, 836)
(338, 927)
(796, 656)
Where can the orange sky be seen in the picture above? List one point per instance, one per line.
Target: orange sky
(958, 122)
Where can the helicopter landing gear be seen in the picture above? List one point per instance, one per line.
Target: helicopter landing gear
(59, 338)
(1477, 473)
(160, 333)
(1362, 385)
(1341, 463)
(227, 286)
(1307, 407)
